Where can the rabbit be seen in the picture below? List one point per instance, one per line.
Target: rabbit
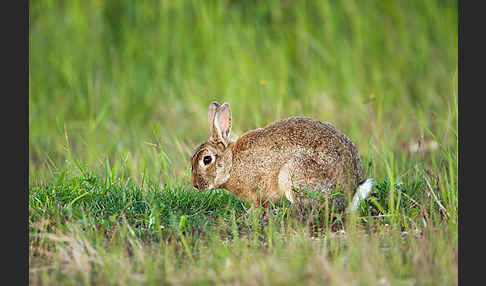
(285, 158)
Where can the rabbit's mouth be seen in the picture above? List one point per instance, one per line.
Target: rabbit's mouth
(204, 187)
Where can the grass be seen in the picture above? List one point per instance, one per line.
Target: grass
(118, 99)
(91, 230)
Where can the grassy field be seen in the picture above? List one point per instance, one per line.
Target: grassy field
(118, 101)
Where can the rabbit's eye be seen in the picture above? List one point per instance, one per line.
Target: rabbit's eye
(207, 160)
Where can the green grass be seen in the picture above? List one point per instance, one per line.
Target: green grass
(118, 99)
(91, 230)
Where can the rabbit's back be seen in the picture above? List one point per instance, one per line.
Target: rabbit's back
(317, 143)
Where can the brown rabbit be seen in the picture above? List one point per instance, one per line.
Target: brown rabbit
(286, 158)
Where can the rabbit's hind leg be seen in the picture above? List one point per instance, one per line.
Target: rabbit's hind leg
(304, 182)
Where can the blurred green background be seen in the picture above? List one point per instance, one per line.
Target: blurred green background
(127, 83)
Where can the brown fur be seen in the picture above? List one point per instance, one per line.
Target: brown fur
(282, 159)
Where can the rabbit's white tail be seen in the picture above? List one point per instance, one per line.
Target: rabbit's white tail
(362, 193)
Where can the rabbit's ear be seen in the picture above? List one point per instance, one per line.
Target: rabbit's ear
(211, 113)
(222, 124)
